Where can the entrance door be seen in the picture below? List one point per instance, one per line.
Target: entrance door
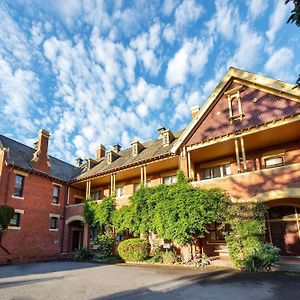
(76, 240)
(283, 227)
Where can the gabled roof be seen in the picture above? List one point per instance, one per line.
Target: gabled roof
(273, 86)
(21, 155)
(153, 149)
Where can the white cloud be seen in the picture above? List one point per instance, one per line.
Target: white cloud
(169, 6)
(278, 19)
(190, 59)
(257, 8)
(187, 12)
(145, 45)
(225, 21)
(249, 46)
(169, 34)
(279, 64)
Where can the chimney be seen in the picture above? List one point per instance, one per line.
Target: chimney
(79, 162)
(100, 152)
(117, 148)
(40, 160)
(160, 131)
(194, 111)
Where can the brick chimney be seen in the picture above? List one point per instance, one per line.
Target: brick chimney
(40, 160)
(194, 111)
(100, 152)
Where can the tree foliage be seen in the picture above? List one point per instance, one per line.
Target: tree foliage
(100, 214)
(177, 212)
(6, 214)
(245, 240)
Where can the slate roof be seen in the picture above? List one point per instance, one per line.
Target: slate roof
(21, 155)
(153, 149)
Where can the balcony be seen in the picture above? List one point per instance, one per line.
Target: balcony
(277, 182)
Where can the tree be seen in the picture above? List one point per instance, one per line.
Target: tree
(295, 18)
(176, 212)
(6, 214)
(100, 214)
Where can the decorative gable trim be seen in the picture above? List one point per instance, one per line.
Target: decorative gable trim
(273, 86)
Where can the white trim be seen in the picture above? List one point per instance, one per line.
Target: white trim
(276, 85)
(19, 211)
(54, 215)
(17, 197)
(53, 230)
(75, 218)
(20, 173)
(14, 228)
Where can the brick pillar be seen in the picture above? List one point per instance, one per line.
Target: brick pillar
(184, 164)
(86, 236)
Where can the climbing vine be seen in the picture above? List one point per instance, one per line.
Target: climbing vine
(177, 212)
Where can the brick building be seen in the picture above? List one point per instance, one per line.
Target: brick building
(245, 139)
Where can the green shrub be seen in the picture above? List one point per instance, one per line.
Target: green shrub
(83, 254)
(263, 258)
(106, 244)
(169, 258)
(6, 214)
(157, 255)
(134, 249)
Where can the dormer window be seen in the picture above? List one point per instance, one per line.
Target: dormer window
(167, 137)
(234, 103)
(112, 156)
(136, 148)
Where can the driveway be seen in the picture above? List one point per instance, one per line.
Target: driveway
(74, 280)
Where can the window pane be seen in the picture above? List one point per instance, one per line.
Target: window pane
(119, 191)
(18, 189)
(136, 186)
(166, 180)
(216, 172)
(226, 170)
(55, 194)
(174, 179)
(53, 223)
(15, 221)
(274, 161)
(207, 173)
(148, 183)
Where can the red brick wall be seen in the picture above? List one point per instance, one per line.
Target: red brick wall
(34, 240)
(266, 109)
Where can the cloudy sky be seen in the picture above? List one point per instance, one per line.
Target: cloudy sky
(93, 71)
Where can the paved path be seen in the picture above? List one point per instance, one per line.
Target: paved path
(70, 280)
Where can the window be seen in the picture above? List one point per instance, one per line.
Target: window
(15, 221)
(169, 180)
(217, 171)
(215, 233)
(274, 162)
(55, 194)
(53, 222)
(19, 184)
(119, 191)
(136, 186)
(96, 195)
(77, 200)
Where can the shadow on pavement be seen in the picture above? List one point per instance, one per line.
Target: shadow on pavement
(7, 271)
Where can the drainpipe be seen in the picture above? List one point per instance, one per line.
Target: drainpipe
(67, 188)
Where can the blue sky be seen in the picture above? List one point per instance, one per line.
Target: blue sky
(110, 72)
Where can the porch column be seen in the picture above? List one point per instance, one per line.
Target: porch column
(243, 154)
(86, 236)
(142, 174)
(112, 183)
(189, 163)
(145, 175)
(88, 189)
(184, 162)
(237, 155)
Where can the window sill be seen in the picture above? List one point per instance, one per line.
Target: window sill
(17, 197)
(14, 228)
(55, 204)
(53, 230)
